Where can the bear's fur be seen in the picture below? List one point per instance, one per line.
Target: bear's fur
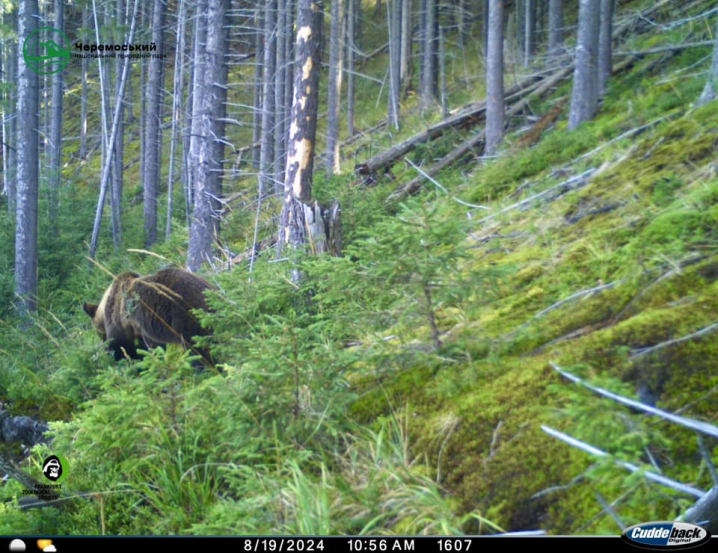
(150, 311)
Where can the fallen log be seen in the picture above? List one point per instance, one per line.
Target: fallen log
(533, 135)
(414, 185)
(470, 115)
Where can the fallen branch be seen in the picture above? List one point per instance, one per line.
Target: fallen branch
(648, 475)
(533, 135)
(698, 426)
(576, 296)
(664, 49)
(571, 184)
(467, 116)
(414, 185)
(262, 245)
(705, 509)
(702, 332)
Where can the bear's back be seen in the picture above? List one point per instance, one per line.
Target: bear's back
(164, 302)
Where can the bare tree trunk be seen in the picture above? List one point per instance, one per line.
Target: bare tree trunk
(710, 91)
(495, 78)
(211, 151)
(334, 92)
(463, 28)
(584, 97)
(407, 35)
(176, 111)
(289, 78)
(351, 48)
(605, 51)
(443, 92)
(153, 136)
(555, 28)
(10, 119)
(119, 145)
(55, 169)
(428, 54)
(4, 103)
(107, 162)
(83, 102)
(266, 158)
(257, 113)
(280, 117)
(485, 24)
(393, 17)
(529, 30)
(199, 59)
(28, 105)
(294, 222)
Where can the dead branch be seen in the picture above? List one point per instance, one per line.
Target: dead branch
(469, 115)
(664, 49)
(705, 509)
(262, 245)
(702, 332)
(698, 426)
(648, 475)
(571, 184)
(576, 296)
(533, 135)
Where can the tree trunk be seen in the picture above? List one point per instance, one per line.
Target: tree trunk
(584, 97)
(199, 61)
(118, 173)
(428, 54)
(393, 17)
(55, 169)
(288, 79)
(153, 119)
(351, 49)
(107, 162)
(555, 28)
(258, 89)
(10, 119)
(266, 157)
(300, 222)
(177, 92)
(335, 87)
(605, 51)
(485, 25)
(710, 92)
(495, 78)
(529, 30)
(407, 35)
(211, 148)
(28, 105)
(443, 91)
(280, 141)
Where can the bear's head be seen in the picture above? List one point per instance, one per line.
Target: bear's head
(106, 313)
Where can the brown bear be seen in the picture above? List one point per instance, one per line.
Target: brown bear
(150, 311)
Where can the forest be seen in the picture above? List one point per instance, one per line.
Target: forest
(367, 267)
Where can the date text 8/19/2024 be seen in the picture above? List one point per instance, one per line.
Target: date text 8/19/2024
(354, 545)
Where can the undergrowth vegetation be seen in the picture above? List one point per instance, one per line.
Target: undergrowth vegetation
(402, 388)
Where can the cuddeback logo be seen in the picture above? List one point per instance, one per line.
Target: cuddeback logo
(662, 535)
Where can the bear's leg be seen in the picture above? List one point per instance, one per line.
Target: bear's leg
(123, 348)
